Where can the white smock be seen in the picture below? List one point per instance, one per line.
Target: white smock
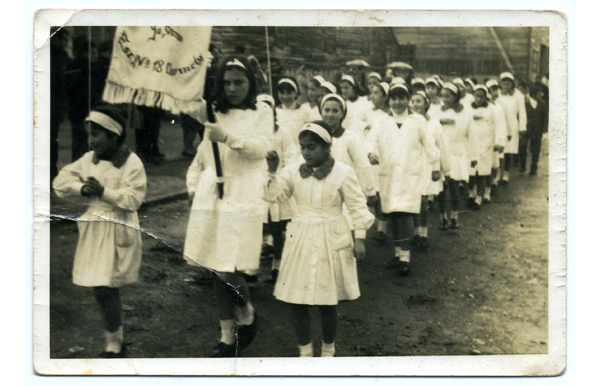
(460, 140)
(435, 130)
(317, 265)
(488, 132)
(293, 120)
(355, 119)
(349, 149)
(109, 249)
(312, 112)
(225, 234)
(288, 154)
(515, 117)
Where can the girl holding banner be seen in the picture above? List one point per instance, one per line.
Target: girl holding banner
(225, 234)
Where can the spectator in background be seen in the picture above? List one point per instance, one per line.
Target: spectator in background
(146, 136)
(537, 125)
(59, 60)
(83, 86)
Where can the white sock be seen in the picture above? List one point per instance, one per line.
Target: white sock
(478, 199)
(487, 193)
(454, 215)
(113, 340)
(269, 240)
(505, 175)
(443, 216)
(306, 351)
(405, 256)
(245, 315)
(276, 264)
(382, 226)
(228, 331)
(416, 231)
(327, 349)
(472, 193)
(397, 251)
(422, 231)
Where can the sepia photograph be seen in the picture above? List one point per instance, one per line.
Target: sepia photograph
(373, 191)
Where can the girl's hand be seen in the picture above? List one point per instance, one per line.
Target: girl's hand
(373, 159)
(215, 132)
(473, 164)
(359, 249)
(372, 201)
(436, 175)
(86, 191)
(95, 187)
(272, 161)
(191, 196)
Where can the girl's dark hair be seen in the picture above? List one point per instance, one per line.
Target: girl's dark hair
(399, 92)
(219, 98)
(456, 95)
(315, 137)
(109, 134)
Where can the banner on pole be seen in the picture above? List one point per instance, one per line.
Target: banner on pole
(158, 66)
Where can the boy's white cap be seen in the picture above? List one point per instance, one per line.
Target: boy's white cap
(417, 81)
(507, 75)
(458, 81)
(492, 83)
(329, 86)
(433, 80)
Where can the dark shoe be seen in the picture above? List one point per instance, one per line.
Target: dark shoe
(404, 268)
(415, 241)
(444, 225)
(487, 201)
(380, 236)
(394, 263)
(274, 275)
(267, 250)
(454, 224)
(471, 202)
(424, 243)
(223, 350)
(246, 334)
(504, 182)
(249, 278)
(494, 190)
(533, 173)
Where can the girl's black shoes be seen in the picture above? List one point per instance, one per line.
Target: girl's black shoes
(222, 350)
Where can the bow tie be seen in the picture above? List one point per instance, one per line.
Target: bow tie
(319, 173)
(475, 106)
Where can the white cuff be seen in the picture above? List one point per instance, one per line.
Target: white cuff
(360, 234)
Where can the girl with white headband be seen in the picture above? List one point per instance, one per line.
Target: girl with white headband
(318, 267)
(498, 157)
(289, 113)
(373, 79)
(459, 135)
(224, 234)
(356, 105)
(432, 89)
(489, 138)
(515, 115)
(348, 146)
(421, 104)
(402, 148)
(111, 181)
(312, 106)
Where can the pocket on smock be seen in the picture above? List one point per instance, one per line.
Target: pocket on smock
(341, 234)
(125, 235)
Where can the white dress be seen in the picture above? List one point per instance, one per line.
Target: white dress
(460, 140)
(313, 112)
(502, 132)
(355, 119)
(515, 116)
(403, 157)
(226, 234)
(488, 133)
(288, 154)
(435, 111)
(109, 249)
(317, 266)
(293, 120)
(435, 129)
(349, 149)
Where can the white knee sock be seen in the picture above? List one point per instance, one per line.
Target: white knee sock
(276, 264)
(327, 349)
(454, 215)
(113, 340)
(403, 255)
(487, 193)
(505, 175)
(245, 315)
(228, 331)
(382, 226)
(306, 351)
(422, 231)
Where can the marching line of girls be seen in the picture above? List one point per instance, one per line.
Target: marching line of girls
(311, 175)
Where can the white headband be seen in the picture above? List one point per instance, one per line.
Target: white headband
(452, 87)
(417, 81)
(105, 121)
(507, 75)
(398, 80)
(237, 63)
(480, 87)
(319, 79)
(492, 83)
(375, 75)
(329, 86)
(318, 130)
(288, 81)
(459, 81)
(337, 98)
(424, 95)
(350, 79)
(434, 81)
(469, 81)
(399, 85)
(385, 87)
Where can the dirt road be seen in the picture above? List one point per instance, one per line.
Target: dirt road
(480, 290)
